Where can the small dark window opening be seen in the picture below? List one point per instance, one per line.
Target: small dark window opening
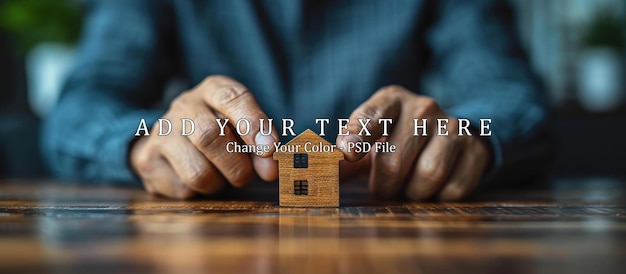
(300, 161)
(301, 187)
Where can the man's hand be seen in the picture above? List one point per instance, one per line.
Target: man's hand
(446, 167)
(181, 166)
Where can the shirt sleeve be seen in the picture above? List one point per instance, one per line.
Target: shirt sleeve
(121, 65)
(485, 74)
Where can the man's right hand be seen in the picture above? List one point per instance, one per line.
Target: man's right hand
(180, 166)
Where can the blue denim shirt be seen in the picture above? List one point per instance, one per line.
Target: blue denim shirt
(302, 60)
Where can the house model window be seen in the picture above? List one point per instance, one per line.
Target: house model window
(308, 178)
(301, 187)
(300, 161)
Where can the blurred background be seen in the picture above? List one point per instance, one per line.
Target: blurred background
(577, 46)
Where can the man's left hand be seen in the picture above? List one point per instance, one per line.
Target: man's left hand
(446, 167)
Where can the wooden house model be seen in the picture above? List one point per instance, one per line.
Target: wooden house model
(308, 179)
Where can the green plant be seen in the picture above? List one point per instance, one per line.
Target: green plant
(606, 29)
(31, 22)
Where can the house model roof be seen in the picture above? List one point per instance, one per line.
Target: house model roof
(310, 136)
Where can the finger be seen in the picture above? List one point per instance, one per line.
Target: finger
(385, 103)
(164, 181)
(433, 167)
(391, 169)
(235, 101)
(154, 171)
(266, 168)
(193, 169)
(148, 186)
(234, 166)
(466, 176)
(356, 170)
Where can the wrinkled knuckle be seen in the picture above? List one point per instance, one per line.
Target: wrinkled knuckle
(181, 101)
(453, 126)
(198, 179)
(143, 163)
(213, 79)
(391, 168)
(148, 186)
(370, 111)
(453, 193)
(393, 90)
(431, 172)
(230, 94)
(239, 176)
(420, 191)
(428, 105)
(150, 190)
(206, 137)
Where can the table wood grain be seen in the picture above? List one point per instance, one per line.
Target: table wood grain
(568, 226)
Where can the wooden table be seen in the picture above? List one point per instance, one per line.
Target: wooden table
(567, 226)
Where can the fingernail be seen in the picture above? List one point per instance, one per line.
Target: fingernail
(353, 138)
(349, 139)
(265, 140)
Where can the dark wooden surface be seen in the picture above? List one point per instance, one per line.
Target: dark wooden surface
(570, 226)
